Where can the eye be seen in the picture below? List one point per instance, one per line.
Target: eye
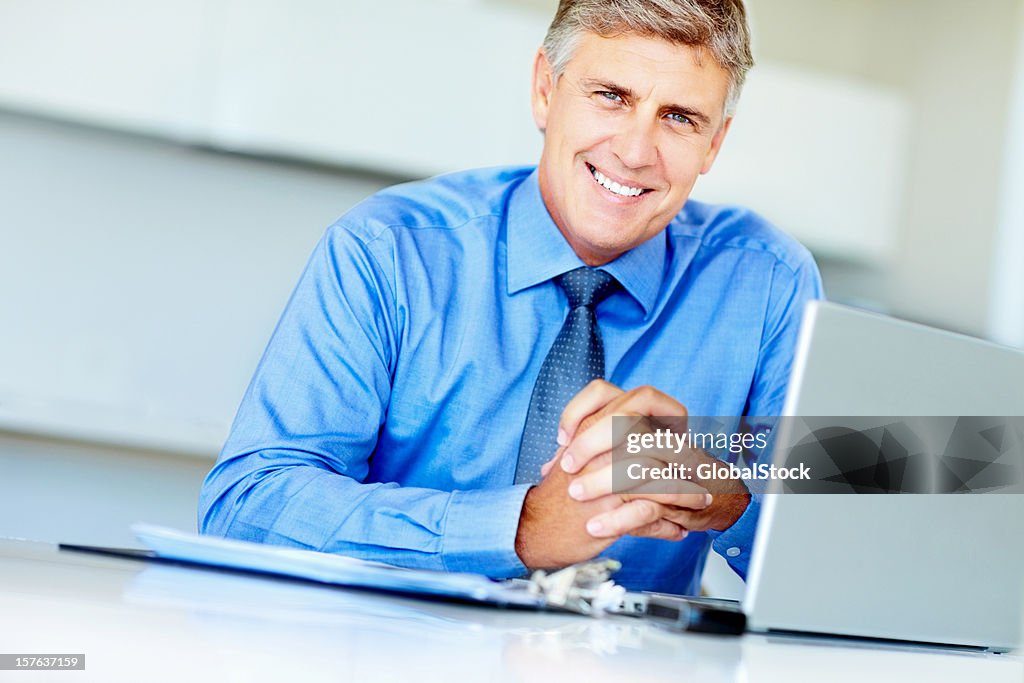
(680, 118)
(609, 95)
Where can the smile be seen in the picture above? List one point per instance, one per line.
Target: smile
(614, 187)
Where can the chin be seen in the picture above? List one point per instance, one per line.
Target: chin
(613, 239)
(605, 250)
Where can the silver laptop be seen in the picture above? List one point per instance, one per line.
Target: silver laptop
(946, 569)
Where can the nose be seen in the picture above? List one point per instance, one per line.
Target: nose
(635, 143)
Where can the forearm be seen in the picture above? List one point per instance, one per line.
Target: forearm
(283, 497)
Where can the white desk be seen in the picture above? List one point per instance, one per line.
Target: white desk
(137, 622)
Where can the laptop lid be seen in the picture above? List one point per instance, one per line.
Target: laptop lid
(938, 568)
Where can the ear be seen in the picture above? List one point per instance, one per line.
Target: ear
(540, 93)
(716, 145)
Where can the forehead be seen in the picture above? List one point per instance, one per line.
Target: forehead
(651, 67)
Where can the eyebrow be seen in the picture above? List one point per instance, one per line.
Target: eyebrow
(700, 117)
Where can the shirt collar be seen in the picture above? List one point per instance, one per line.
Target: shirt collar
(537, 252)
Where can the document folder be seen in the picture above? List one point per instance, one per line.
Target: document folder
(327, 568)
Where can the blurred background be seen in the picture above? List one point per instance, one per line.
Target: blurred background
(166, 168)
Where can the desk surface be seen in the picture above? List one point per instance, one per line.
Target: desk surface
(137, 621)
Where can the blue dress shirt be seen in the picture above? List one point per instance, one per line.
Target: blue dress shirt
(384, 419)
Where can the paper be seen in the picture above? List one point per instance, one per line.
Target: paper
(329, 568)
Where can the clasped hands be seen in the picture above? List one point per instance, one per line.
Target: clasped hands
(575, 512)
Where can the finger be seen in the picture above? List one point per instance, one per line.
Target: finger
(661, 528)
(692, 520)
(547, 467)
(600, 478)
(677, 492)
(688, 501)
(645, 401)
(625, 518)
(596, 439)
(588, 401)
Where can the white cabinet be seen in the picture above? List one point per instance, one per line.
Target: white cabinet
(406, 86)
(140, 66)
(823, 158)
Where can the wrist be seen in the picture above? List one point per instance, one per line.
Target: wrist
(731, 495)
(525, 546)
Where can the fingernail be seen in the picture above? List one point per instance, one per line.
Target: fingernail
(594, 527)
(707, 499)
(563, 437)
(567, 462)
(576, 490)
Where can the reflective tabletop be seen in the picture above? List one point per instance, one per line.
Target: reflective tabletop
(135, 620)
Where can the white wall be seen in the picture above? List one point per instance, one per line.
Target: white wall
(958, 65)
(141, 280)
(1006, 314)
(955, 62)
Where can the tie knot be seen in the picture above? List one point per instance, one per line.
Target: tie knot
(586, 286)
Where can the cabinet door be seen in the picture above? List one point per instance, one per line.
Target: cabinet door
(142, 66)
(406, 86)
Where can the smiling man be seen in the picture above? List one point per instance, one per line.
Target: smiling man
(439, 389)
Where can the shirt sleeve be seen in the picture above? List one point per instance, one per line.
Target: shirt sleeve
(294, 468)
(791, 289)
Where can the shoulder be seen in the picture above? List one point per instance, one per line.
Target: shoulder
(446, 202)
(725, 228)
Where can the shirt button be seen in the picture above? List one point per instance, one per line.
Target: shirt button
(733, 552)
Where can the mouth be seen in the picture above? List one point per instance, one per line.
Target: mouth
(616, 188)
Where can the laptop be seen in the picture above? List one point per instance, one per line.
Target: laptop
(942, 569)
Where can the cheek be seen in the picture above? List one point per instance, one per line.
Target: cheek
(588, 129)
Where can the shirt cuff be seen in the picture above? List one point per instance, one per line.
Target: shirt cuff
(736, 543)
(480, 532)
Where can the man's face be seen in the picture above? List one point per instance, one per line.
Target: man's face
(635, 111)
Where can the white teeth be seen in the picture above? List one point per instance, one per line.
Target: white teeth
(613, 186)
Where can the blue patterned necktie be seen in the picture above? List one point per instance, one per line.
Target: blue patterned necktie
(576, 358)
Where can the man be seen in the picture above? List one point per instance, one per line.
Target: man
(419, 377)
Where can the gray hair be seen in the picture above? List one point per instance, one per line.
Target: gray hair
(718, 26)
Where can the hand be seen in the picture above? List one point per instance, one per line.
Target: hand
(585, 433)
(553, 527)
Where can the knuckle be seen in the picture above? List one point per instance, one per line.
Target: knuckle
(662, 528)
(677, 516)
(586, 424)
(647, 509)
(646, 391)
(670, 531)
(645, 530)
